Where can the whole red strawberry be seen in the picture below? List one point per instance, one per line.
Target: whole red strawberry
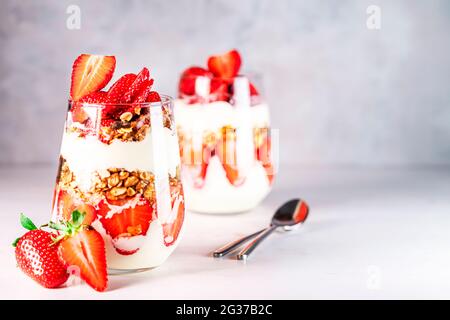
(37, 256)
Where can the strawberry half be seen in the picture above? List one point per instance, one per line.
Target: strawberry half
(129, 222)
(188, 77)
(66, 205)
(226, 65)
(171, 229)
(90, 73)
(37, 256)
(82, 246)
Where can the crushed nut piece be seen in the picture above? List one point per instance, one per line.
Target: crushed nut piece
(126, 116)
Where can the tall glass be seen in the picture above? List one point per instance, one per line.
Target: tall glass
(225, 140)
(120, 165)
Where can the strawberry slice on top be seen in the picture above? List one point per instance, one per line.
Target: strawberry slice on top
(188, 77)
(116, 94)
(90, 73)
(226, 65)
(153, 96)
(139, 84)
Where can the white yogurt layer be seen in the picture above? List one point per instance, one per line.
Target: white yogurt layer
(215, 115)
(87, 155)
(218, 195)
(152, 250)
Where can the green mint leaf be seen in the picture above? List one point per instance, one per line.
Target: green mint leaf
(14, 244)
(26, 222)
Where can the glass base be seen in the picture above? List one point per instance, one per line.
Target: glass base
(118, 272)
(209, 213)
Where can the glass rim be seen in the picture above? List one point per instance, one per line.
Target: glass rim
(249, 74)
(166, 100)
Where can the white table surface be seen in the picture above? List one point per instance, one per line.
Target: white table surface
(378, 233)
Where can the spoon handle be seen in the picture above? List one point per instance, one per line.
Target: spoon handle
(234, 244)
(243, 255)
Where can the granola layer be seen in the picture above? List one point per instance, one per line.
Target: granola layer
(112, 184)
(129, 125)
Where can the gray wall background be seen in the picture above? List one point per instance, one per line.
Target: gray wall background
(340, 94)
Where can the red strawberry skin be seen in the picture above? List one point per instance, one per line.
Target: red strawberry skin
(38, 258)
(86, 250)
(116, 94)
(172, 229)
(90, 73)
(187, 79)
(153, 96)
(95, 97)
(226, 65)
(66, 204)
(130, 222)
(139, 84)
(142, 95)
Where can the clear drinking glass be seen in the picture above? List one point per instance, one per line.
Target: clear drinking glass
(120, 165)
(225, 142)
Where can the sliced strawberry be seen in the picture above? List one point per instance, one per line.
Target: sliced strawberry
(139, 84)
(142, 95)
(253, 90)
(226, 150)
(153, 96)
(116, 94)
(66, 205)
(269, 172)
(226, 65)
(91, 73)
(196, 161)
(77, 110)
(78, 113)
(95, 97)
(263, 154)
(219, 90)
(187, 80)
(85, 249)
(129, 222)
(172, 228)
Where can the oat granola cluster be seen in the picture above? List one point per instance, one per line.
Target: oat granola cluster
(113, 184)
(131, 125)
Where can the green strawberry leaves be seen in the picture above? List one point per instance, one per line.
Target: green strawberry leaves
(27, 223)
(66, 228)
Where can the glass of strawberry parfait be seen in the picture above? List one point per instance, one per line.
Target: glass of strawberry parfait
(225, 137)
(120, 164)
